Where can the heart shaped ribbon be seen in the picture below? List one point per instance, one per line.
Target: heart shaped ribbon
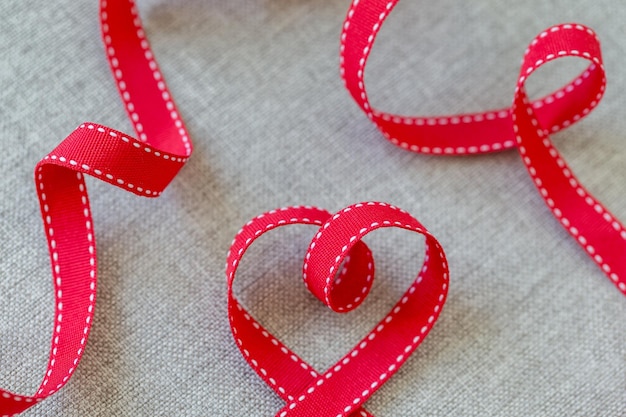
(337, 248)
(146, 165)
(526, 125)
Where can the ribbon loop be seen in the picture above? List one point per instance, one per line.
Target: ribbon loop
(338, 267)
(599, 233)
(344, 387)
(526, 125)
(459, 134)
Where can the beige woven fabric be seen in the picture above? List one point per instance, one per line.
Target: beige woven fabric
(531, 326)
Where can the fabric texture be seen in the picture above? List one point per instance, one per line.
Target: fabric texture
(531, 326)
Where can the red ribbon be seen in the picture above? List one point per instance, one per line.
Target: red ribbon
(338, 266)
(526, 126)
(143, 166)
(339, 270)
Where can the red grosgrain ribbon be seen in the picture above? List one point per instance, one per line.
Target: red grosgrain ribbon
(526, 125)
(338, 270)
(143, 166)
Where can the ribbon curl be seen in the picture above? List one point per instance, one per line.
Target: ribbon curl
(337, 248)
(146, 165)
(143, 166)
(525, 125)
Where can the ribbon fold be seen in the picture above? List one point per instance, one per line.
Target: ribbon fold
(339, 270)
(143, 166)
(525, 125)
(338, 267)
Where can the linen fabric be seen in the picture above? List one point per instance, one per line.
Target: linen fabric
(530, 326)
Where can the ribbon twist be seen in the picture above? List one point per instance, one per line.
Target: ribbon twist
(526, 126)
(143, 166)
(338, 269)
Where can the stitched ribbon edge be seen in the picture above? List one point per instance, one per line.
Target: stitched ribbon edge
(462, 134)
(292, 378)
(591, 224)
(143, 166)
(601, 235)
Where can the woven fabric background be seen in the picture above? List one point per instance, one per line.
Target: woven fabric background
(531, 326)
